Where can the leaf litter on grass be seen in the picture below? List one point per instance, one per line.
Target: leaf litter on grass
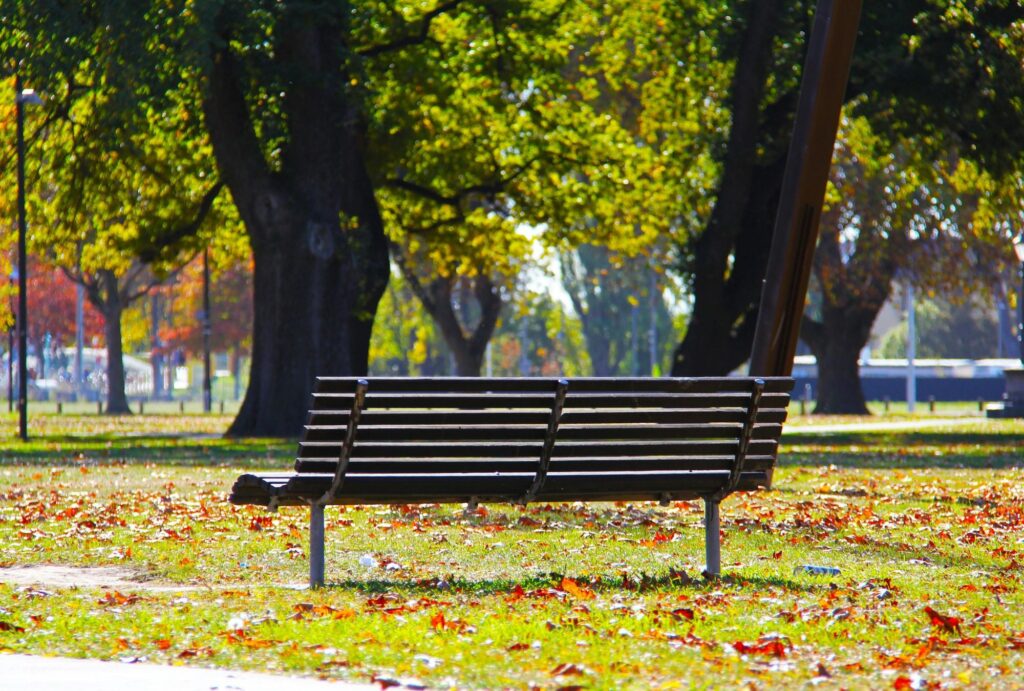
(604, 594)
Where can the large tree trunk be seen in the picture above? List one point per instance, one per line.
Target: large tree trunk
(853, 285)
(721, 329)
(111, 308)
(729, 258)
(311, 320)
(320, 255)
(836, 342)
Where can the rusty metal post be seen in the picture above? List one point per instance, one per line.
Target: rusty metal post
(822, 89)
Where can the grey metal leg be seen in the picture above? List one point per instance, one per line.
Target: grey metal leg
(712, 542)
(316, 545)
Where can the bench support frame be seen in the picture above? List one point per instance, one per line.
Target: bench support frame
(316, 545)
(712, 537)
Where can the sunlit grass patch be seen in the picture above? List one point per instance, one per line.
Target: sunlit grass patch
(593, 595)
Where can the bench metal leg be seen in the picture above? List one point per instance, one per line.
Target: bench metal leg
(712, 539)
(316, 545)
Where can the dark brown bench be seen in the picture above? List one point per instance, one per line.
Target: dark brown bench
(454, 440)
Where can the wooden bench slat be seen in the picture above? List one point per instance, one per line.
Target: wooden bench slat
(491, 385)
(564, 449)
(506, 465)
(404, 433)
(440, 489)
(372, 418)
(574, 400)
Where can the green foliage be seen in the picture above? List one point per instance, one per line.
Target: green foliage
(947, 330)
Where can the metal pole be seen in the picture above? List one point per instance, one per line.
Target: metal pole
(10, 370)
(316, 546)
(22, 271)
(822, 89)
(634, 340)
(652, 332)
(79, 336)
(207, 390)
(911, 351)
(712, 538)
(524, 360)
(1020, 314)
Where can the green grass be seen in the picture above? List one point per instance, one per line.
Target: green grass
(598, 596)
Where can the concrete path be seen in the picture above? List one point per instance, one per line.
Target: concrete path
(895, 426)
(29, 672)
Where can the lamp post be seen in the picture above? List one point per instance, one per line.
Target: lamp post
(10, 362)
(1018, 248)
(207, 332)
(22, 97)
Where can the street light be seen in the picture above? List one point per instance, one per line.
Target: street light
(1018, 247)
(22, 97)
(207, 329)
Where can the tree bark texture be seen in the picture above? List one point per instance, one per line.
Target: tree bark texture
(111, 307)
(836, 342)
(468, 345)
(730, 256)
(320, 255)
(854, 281)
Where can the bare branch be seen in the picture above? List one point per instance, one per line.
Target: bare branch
(415, 32)
(170, 237)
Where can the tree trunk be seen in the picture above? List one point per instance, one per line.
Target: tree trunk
(319, 250)
(312, 318)
(730, 256)
(836, 342)
(156, 358)
(40, 347)
(468, 350)
(111, 309)
(721, 329)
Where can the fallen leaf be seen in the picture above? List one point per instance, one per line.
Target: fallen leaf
(942, 621)
(576, 590)
(568, 669)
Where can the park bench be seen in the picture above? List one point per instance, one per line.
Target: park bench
(468, 440)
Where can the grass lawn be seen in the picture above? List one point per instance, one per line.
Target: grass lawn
(927, 529)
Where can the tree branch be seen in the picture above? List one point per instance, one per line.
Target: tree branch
(415, 32)
(455, 199)
(232, 132)
(151, 252)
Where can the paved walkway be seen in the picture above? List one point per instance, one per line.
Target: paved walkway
(18, 672)
(880, 426)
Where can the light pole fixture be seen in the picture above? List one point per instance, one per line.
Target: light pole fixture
(207, 331)
(1018, 248)
(22, 97)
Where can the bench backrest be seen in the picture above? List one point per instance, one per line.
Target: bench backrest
(538, 438)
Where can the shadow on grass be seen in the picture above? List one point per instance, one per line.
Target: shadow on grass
(170, 449)
(902, 459)
(906, 438)
(549, 584)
